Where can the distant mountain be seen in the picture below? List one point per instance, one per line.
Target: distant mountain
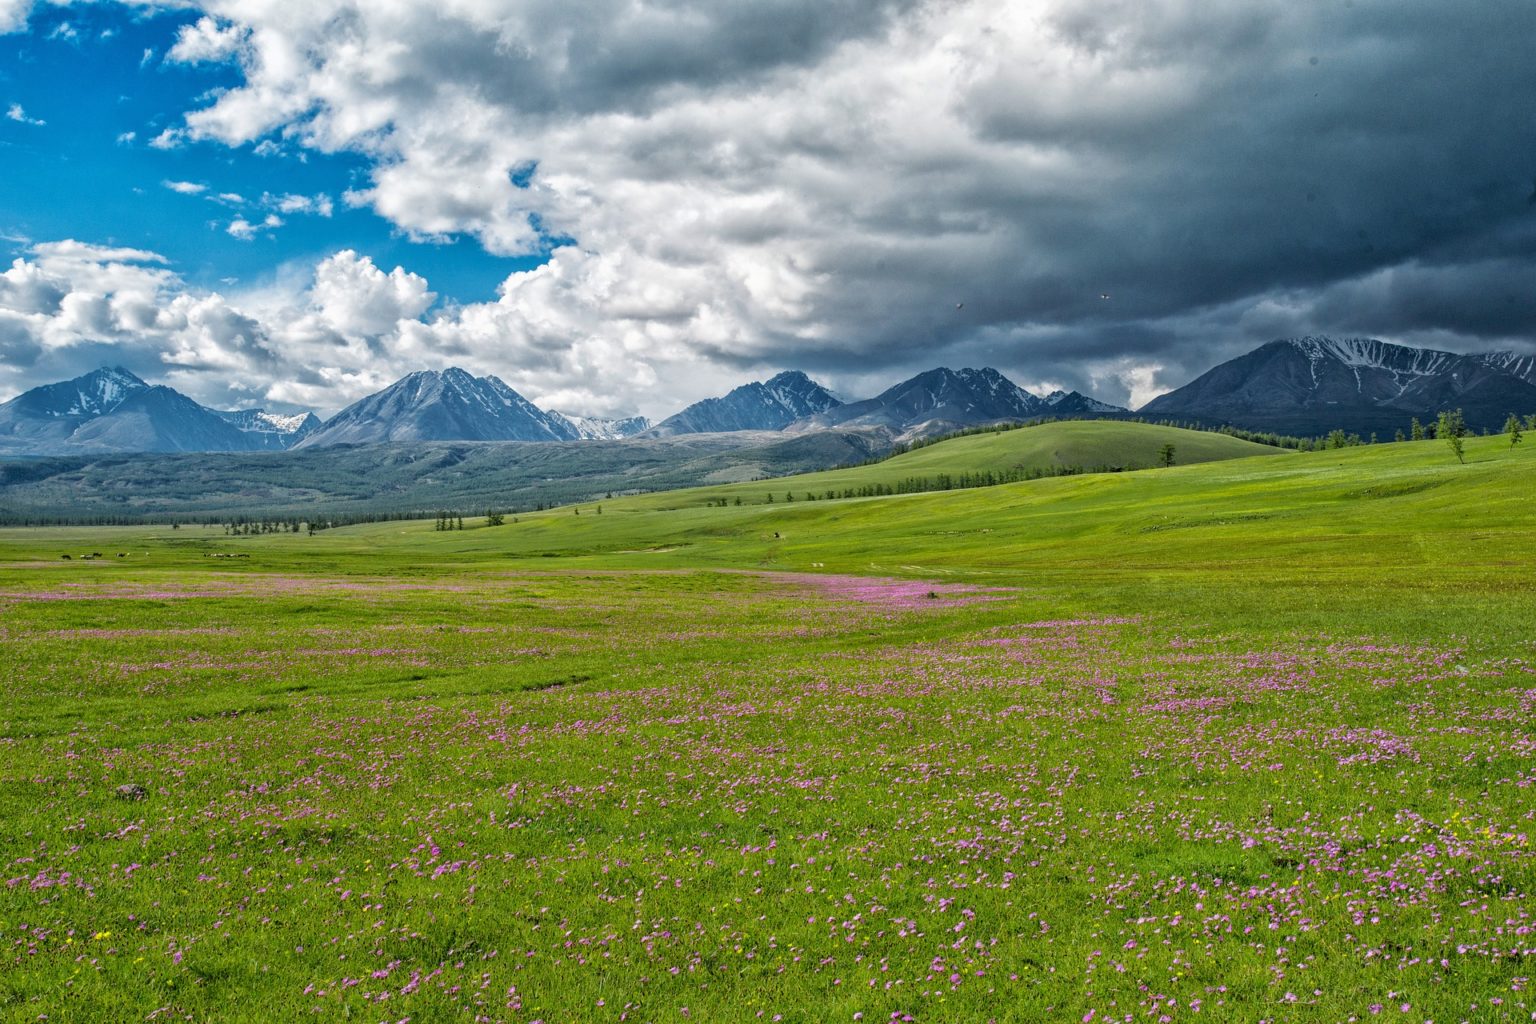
(942, 400)
(598, 428)
(111, 410)
(446, 405)
(272, 431)
(1075, 403)
(761, 405)
(95, 394)
(1313, 385)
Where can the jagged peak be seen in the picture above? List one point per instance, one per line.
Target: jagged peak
(791, 377)
(969, 377)
(118, 373)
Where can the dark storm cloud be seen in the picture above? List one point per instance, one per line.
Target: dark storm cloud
(548, 60)
(1316, 147)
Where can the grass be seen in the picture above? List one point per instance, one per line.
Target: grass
(1238, 741)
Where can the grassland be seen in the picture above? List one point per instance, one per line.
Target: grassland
(1250, 740)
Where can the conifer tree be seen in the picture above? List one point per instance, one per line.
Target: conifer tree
(1452, 427)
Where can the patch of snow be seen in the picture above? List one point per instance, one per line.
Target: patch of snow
(599, 428)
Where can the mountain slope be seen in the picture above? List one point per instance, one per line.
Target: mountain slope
(159, 419)
(760, 405)
(1313, 385)
(446, 405)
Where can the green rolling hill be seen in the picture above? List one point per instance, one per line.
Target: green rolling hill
(1043, 449)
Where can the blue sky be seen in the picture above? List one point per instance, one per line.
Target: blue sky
(96, 75)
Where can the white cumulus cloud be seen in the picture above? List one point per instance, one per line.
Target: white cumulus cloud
(206, 40)
(327, 334)
(13, 15)
(16, 113)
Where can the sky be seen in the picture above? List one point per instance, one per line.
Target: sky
(623, 206)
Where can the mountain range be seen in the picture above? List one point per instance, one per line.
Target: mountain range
(761, 405)
(111, 410)
(1305, 386)
(943, 400)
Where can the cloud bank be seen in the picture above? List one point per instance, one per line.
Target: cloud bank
(1108, 195)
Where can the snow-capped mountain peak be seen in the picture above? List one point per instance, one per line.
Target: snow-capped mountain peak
(110, 409)
(271, 430)
(1371, 354)
(943, 399)
(442, 405)
(95, 394)
(761, 405)
(1514, 363)
(284, 424)
(1313, 385)
(1076, 402)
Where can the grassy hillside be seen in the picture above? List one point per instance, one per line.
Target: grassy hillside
(1248, 740)
(1405, 517)
(1085, 445)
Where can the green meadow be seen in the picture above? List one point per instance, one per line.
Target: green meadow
(1249, 738)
